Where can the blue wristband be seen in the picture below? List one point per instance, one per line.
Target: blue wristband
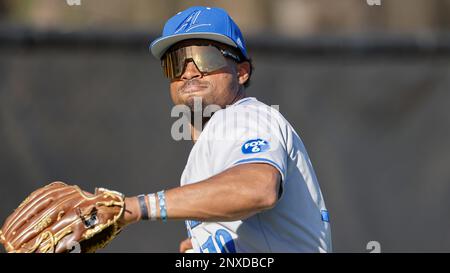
(162, 206)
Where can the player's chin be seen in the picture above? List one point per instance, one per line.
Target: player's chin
(196, 103)
(195, 92)
(200, 96)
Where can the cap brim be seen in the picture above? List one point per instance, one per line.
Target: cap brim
(160, 45)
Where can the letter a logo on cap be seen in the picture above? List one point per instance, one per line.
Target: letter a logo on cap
(189, 23)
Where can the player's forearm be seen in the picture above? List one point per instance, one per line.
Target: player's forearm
(236, 193)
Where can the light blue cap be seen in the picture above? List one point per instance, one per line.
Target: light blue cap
(199, 23)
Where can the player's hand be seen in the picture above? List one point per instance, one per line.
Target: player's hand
(185, 245)
(131, 213)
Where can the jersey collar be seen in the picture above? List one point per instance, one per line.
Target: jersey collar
(243, 100)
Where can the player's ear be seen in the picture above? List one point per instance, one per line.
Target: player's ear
(243, 72)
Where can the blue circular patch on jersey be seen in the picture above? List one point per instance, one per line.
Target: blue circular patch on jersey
(254, 146)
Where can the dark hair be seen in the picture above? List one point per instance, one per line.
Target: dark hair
(243, 59)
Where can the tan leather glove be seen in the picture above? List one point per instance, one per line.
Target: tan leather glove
(61, 218)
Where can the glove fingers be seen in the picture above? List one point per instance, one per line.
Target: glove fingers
(65, 233)
(60, 234)
(47, 217)
(31, 209)
(15, 219)
(31, 202)
(40, 193)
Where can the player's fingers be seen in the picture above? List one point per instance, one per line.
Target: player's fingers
(185, 245)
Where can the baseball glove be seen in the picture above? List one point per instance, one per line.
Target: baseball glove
(61, 218)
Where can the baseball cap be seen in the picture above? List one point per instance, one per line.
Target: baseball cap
(199, 23)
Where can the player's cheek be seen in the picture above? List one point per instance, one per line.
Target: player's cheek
(174, 94)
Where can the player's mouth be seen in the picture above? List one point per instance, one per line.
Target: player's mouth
(193, 86)
(193, 89)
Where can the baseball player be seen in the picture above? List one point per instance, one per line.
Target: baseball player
(254, 189)
(248, 184)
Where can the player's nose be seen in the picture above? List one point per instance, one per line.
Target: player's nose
(191, 71)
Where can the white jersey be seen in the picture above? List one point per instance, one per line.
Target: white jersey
(251, 132)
